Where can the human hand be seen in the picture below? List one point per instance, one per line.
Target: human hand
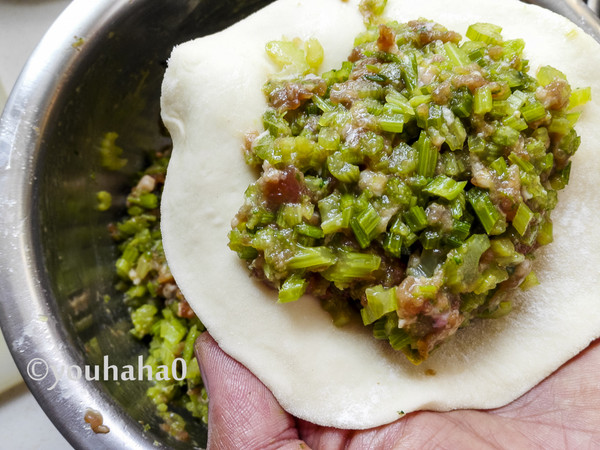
(561, 412)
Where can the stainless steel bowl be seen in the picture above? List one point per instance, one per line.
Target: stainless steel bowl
(98, 69)
(56, 258)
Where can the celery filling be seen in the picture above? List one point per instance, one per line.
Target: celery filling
(410, 186)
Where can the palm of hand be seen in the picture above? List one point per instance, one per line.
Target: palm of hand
(561, 412)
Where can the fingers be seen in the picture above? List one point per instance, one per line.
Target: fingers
(242, 411)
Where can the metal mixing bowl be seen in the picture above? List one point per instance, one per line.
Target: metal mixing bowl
(98, 69)
(56, 257)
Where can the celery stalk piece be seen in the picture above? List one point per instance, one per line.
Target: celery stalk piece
(399, 339)
(461, 103)
(485, 32)
(393, 244)
(499, 166)
(460, 231)
(400, 102)
(143, 318)
(310, 230)
(323, 105)
(455, 55)
(417, 100)
(104, 200)
(311, 258)
(385, 325)
(547, 74)
(415, 218)
(560, 179)
(489, 279)
(533, 111)
(291, 58)
(342, 170)
(292, 288)
(410, 72)
(482, 100)
(529, 281)
(445, 187)
(517, 99)
(580, 96)
(525, 166)
(506, 136)
(332, 218)
(380, 301)
(522, 218)
(351, 266)
(427, 155)
(190, 340)
(560, 125)
(392, 123)
(172, 329)
(462, 264)
(545, 234)
(489, 216)
(515, 122)
(364, 225)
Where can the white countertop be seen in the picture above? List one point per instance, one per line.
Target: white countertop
(22, 25)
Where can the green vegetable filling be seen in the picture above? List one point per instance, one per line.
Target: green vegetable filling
(160, 315)
(410, 187)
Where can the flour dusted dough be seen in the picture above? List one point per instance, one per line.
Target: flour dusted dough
(343, 377)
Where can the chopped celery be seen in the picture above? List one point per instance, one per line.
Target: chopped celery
(499, 166)
(311, 258)
(400, 103)
(580, 96)
(461, 103)
(427, 156)
(399, 338)
(310, 230)
(455, 55)
(533, 111)
(393, 244)
(415, 218)
(524, 165)
(292, 288)
(342, 170)
(104, 200)
(380, 301)
(545, 235)
(505, 135)
(331, 213)
(392, 123)
(482, 100)
(172, 330)
(547, 74)
(143, 319)
(445, 187)
(462, 264)
(522, 218)
(350, 266)
(529, 281)
(364, 225)
(485, 32)
(489, 216)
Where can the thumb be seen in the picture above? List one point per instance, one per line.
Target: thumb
(242, 412)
